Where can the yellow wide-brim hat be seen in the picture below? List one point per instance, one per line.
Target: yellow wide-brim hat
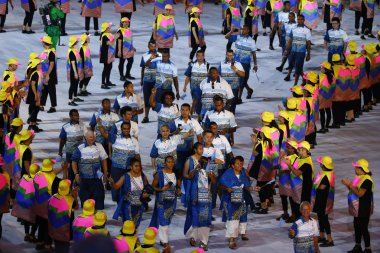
(46, 39)
(100, 218)
(64, 187)
(336, 58)
(297, 90)
(267, 117)
(352, 46)
(73, 40)
(83, 38)
(89, 207)
(13, 61)
(47, 165)
(26, 135)
(106, 25)
(362, 163)
(150, 235)
(305, 145)
(128, 227)
(326, 161)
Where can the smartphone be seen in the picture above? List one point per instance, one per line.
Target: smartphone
(180, 126)
(170, 184)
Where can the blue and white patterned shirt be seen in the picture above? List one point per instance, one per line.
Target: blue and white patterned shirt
(229, 74)
(300, 35)
(336, 40)
(244, 46)
(149, 71)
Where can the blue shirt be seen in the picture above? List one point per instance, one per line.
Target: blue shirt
(108, 119)
(149, 72)
(166, 114)
(197, 73)
(88, 159)
(185, 128)
(73, 135)
(244, 48)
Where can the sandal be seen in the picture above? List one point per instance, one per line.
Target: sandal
(192, 242)
(232, 245)
(244, 238)
(203, 246)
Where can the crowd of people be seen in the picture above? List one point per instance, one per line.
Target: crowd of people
(192, 159)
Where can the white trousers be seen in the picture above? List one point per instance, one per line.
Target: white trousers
(199, 233)
(163, 234)
(234, 228)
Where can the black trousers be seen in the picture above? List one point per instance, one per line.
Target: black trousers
(324, 224)
(361, 230)
(87, 23)
(27, 226)
(61, 247)
(1, 228)
(50, 90)
(63, 24)
(357, 19)
(128, 67)
(295, 208)
(28, 18)
(73, 90)
(106, 73)
(43, 233)
(84, 82)
(367, 95)
(2, 20)
(126, 15)
(194, 49)
(33, 110)
(338, 112)
(325, 113)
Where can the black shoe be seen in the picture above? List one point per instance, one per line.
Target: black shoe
(72, 103)
(362, 37)
(212, 218)
(52, 110)
(250, 92)
(30, 32)
(334, 126)
(322, 131)
(96, 33)
(322, 240)
(258, 49)
(122, 78)
(271, 47)
(111, 84)
(356, 249)
(87, 93)
(82, 94)
(371, 36)
(357, 33)
(287, 78)
(261, 211)
(342, 124)
(28, 121)
(283, 216)
(349, 120)
(265, 34)
(39, 120)
(23, 31)
(3, 31)
(239, 102)
(145, 120)
(130, 77)
(64, 34)
(105, 87)
(36, 129)
(279, 68)
(42, 108)
(78, 100)
(367, 251)
(327, 244)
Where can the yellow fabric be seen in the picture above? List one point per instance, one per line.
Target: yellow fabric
(130, 240)
(22, 148)
(49, 176)
(99, 231)
(364, 178)
(307, 160)
(324, 173)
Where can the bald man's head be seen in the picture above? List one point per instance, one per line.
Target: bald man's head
(90, 137)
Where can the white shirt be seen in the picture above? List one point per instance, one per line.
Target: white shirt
(165, 72)
(221, 142)
(221, 88)
(213, 152)
(133, 101)
(134, 128)
(244, 46)
(224, 119)
(229, 74)
(305, 228)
